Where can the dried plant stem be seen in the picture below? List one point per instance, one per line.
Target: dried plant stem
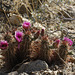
(33, 4)
(40, 2)
(27, 12)
(27, 2)
(63, 10)
(27, 9)
(5, 14)
(63, 50)
(17, 4)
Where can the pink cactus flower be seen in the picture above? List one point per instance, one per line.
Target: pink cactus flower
(26, 25)
(38, 32)
(56, 43)
(42, 32)
(70, 42)
(3, 44)
(18, 36)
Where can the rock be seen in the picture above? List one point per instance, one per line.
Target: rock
(35, 73)
(22, 9)
(1, 73)
(46, 72)
(33, 66)
(59, 73)
(15, 19)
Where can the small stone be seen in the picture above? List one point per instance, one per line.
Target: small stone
(22, 9)
(56, 67)
(15, 20)
(23, 73)
(1, 73)
(59, 73)
(35, 73)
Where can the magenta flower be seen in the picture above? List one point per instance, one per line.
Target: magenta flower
(18, 36)
(26, 25)
(42, 32)
(3, 44)
(56, 43)
(38, 32)
(70, 42)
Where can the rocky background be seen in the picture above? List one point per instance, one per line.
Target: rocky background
(51, 15)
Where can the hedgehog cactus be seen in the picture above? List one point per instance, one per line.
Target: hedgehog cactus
(27, 40)
(45, 50)
(39, 49)
(9, 55)
(10, 58)
(35, 50)
(36, 47)
(24, 46)
(23, 51)
(63, 49)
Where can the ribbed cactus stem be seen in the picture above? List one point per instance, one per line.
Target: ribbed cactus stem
(63, 50)
(45, 51)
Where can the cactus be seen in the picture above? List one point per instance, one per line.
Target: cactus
(63, 50)
(64, 47)
(32, 44)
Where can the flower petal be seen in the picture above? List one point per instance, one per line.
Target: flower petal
(18, 36)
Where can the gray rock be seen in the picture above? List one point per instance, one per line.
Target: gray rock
(1, 73)
(15, 19)
(33, 66)
(22, 9)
